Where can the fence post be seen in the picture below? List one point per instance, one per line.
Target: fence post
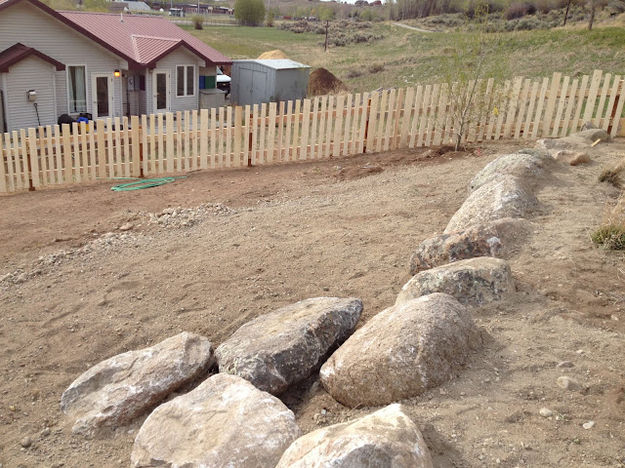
(366, 116)
(136, 148)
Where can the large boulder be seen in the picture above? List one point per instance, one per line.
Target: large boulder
(475, 281)
(117, 390)
(385, 439)
(401, 352)
(225, 422)
(520, 165)
(278, 349)
(507, 197)
(492, 239)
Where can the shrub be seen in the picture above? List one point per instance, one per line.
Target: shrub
(249, 12)
(376, 68)
(519, 9)
(269, 18)
(611, 233)
(198, 21)
(353, 74)
(611, 236)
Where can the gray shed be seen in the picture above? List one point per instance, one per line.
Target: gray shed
(256, 81)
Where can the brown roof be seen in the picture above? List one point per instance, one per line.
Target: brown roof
(140, 40)
(18, 52)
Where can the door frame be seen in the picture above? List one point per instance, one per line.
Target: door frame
(167, 74)
(94, 94)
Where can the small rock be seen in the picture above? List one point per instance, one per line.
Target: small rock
(45, 432)
(568, 383)
(588, 425)
(573, 158)
(126, 227)
(26, 442)
(545, 412)
(565, 364)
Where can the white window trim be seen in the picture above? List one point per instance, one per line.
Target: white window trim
(195, 84)
(87, 86)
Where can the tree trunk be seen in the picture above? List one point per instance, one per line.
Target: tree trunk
(592, 16)
(566, 13)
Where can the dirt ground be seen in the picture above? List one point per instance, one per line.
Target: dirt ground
(75, 290)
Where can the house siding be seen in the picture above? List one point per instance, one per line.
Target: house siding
(170, 62)
(29, 25)
(30, 73)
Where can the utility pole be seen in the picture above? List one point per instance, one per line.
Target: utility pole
(325, 46)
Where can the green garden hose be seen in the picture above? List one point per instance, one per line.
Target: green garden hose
(139, 184)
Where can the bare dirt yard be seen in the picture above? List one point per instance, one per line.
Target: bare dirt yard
(75, 290)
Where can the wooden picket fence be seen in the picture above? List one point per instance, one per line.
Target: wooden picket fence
(318, 128)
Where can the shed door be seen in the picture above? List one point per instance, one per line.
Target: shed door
(259, 86)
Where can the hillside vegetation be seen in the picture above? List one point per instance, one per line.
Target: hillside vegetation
(402, 57)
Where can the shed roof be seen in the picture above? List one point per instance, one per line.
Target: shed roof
(19, 52)
(117, 33)
(278, 64)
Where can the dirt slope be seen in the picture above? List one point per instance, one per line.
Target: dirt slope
(329, 228)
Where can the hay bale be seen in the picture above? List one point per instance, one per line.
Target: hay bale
(272, 54)
(322, 82)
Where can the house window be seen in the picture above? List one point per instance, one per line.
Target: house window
(185, 80)
(76, 77)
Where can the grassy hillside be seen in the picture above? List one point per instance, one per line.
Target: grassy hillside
(410, 57)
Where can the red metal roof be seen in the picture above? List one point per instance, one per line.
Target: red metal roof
(18, 52)
(145, 39)
(118, 36)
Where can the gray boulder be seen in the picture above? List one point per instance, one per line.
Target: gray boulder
(385, 439)
(519, 165)
(115, 391)
(475, 281)
(278, 349)
(507, 197)
(492, 239)
(225, 422)
(401, 352)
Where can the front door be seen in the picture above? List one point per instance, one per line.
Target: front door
(160, 91)
(102, 88)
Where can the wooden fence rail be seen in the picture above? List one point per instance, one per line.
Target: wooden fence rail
(318, 128)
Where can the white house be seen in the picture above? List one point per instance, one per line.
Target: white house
(106, 65)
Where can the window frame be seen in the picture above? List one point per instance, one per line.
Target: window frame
(68, 83)
(185, 80)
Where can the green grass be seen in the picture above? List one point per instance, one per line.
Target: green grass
(410, 57)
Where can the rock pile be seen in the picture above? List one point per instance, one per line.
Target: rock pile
(185, 217)
(422, 341)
